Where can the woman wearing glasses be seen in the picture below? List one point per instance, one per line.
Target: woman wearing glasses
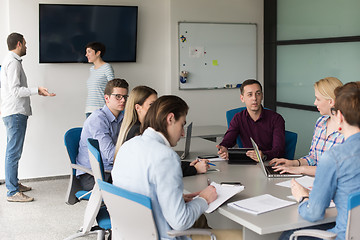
(326, 134)
(338, 172)
(100, 73)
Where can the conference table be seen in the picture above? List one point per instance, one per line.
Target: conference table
(263, 226)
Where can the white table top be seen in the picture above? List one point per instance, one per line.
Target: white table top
(256, 183)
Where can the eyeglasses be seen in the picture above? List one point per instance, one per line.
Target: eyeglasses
(120, 97)
(333, 111)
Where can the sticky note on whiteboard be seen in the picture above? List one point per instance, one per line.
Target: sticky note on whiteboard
(215, 63)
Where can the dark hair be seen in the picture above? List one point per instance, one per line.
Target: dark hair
(116, 82)
(249, 82)
(13, 39)
(159, 110)
(348, 102)
(97, 46)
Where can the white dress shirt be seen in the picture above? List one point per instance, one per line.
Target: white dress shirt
(15, 93)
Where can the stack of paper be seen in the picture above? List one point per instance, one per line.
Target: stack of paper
(224, 192)
(260, 204)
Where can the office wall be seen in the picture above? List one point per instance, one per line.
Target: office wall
(44, 152)
(157, 62)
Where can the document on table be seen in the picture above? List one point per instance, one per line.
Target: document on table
(224, 192)
(306, 182)
(260, 204)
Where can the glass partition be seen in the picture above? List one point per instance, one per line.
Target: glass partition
(300, 66)
(302, 122)
(306, 19)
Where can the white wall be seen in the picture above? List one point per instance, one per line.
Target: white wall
(157, 66)
(44, 152)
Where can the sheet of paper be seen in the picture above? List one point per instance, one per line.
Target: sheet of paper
(305, 181)
(260, 204)
(224, 193)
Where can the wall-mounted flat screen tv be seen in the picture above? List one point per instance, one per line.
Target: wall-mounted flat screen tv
(66, 29)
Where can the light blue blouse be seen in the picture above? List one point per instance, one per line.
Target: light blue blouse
(147, 165)
(337, 176)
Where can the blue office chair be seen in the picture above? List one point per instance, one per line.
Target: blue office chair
(290, 137)
(132, 217)
(75, 192)
(352, 228)
(93, 210)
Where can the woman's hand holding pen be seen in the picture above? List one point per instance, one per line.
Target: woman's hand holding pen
(201, 165)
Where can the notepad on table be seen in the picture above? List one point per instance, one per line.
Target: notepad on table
(260, 204)
(224, 192)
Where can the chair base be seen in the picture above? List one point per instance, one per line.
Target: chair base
(94, 230)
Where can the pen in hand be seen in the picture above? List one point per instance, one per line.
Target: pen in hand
(207, 163)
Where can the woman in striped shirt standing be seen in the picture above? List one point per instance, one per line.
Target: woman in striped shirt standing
(100, 73)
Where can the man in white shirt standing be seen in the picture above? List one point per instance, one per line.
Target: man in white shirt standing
(15, 110)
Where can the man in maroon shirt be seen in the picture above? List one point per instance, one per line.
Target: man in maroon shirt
(265, 126)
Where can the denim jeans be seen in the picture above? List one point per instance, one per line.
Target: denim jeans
(15, 128)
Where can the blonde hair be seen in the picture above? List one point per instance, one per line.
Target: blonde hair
(326, 87)
(137, 96)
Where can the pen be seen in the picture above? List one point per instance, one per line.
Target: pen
(208, 163)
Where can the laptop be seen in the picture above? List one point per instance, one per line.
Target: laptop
(268, 170)
(238, 156)
(185, 153)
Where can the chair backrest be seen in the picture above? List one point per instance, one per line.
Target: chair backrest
(71, 140)
(290, 144)
(229, 116)
(131, 213)
(97, 165)
(290, 137)
(352, 229)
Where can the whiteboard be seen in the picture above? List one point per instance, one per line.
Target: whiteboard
(216, 55)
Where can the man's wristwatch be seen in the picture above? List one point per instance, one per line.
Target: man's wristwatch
(303, 198)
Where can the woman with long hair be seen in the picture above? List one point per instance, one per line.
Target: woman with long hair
(147, 164)
(326, 134)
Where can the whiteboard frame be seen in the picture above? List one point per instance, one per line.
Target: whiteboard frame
(220, 23)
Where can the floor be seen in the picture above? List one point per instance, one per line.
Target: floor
(47, 217)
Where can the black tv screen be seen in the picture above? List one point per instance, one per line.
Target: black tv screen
(66, 29)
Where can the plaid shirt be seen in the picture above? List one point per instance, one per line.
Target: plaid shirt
(320, 143)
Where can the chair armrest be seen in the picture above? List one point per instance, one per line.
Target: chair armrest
(191, 231)
(314, 233)
(81, 168)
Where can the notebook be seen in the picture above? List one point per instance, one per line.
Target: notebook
(238, 156)
(185, 153)
(268, 170)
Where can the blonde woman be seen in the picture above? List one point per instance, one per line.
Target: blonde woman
(325, 135)
(137, 105)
